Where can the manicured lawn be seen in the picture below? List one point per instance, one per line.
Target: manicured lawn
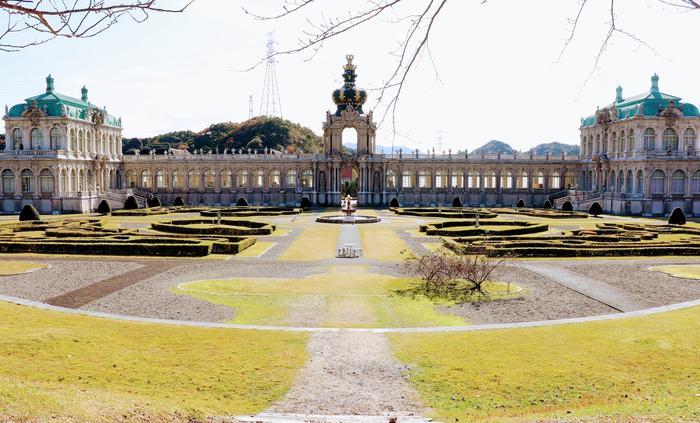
(316, 242)
(381, 242)
(16, 267)
(637, 369)
(330, 300)
(88, 369)
(687, 271)
(257, 249)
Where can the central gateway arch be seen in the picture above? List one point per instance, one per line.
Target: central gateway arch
(349, 114)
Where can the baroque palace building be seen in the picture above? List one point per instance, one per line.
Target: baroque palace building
(63, 154)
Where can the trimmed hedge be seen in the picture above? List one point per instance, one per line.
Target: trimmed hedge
(154, 202)
(245, 227)
(29, 213)
(107, 248)
(595, 209)
(467, 228)
(677, 217)
(178, 202)
(104, 207)
(251, 211)
(445, 212)
(131, 203)
(140, 212)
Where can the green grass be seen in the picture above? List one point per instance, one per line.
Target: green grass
(687, 271)
(16, 267)
(88, 369)
(334, 299)
(635, 369)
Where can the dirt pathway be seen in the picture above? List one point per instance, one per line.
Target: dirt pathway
(352, 374)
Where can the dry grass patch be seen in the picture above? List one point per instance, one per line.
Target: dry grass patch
(8, 268)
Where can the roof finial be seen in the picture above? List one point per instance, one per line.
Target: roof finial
(84, 94)
(49, 84)
(618, 94)
(655, 83)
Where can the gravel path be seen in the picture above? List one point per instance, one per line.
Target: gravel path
(350, 373)
(657, 288)
(619, 299)
(542, 300)
(61, 277)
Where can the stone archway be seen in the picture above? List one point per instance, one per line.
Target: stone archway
(349, 180)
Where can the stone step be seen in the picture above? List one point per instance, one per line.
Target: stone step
(315, 418)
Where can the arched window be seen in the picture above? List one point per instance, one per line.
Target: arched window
(290, 179)
(161, 179)
(8, 181)
(193, 179)
(658, 180)
(605, 144)
(391, 179)
(178, 180)
(146, 181)
(629, 182)
(695, 182)
(441, 179)
(241, 178)
(17, 139)
(490, 180)
(63, 181)
(640, 182)
(457, 179)
(54, 138)
(209, 179)
(407, 179)
(307, 179)
(539, 183)
(569, 179)
(73, 140)
(523, 180)
(630, 140)
(36, 139)
(670, 139)
(27, 179)
(473, 179)
(258, 179)
(590, 145)
(649, 139)
(46, 181)
(611, 181)
(555, 180)
(275, 179)
(614, 142)
(678, 182)
(621, 143)
(424, 178)
(81, 140)
(507, 180)
(226, 178)
(689, 138)
(620, 181)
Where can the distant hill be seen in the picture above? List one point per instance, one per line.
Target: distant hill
(556, 148)
(255, 133)
(495, 146)
(386, 148)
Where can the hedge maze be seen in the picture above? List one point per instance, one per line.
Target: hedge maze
(446, 212)
(607, 239)
(214, 227)
(467, 228)
(246, 211)
(90, 237)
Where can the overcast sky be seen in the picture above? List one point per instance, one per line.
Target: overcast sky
(497, 72)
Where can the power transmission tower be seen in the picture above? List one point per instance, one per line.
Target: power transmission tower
(440, 133)
(250, 106)
(270, 103)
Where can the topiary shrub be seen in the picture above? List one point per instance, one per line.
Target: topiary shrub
(305, 203)
(456, 202)
(154, 202)
(178, 202)
(104, 207)
(595, 209)
(131, 203)
(547, 205)
(242, 202)
(567, 206)
(520, 203)
(29, 213)
(677, 217)
(394, 203)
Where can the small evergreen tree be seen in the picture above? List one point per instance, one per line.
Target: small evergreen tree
(178, 202)
(29, 213)
(547, 205)
(677, 217)
(595, 209)
(520, 203)
(131, 203)
(242, 202)
(154, 202)
(104, 207)
(567, 206)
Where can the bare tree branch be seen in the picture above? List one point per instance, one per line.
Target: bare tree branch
(34, 22)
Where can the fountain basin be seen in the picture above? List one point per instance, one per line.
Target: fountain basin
(348, 219)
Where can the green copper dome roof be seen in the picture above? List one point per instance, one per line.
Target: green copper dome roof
(646, 104)
(55, 104)
(348, 94)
